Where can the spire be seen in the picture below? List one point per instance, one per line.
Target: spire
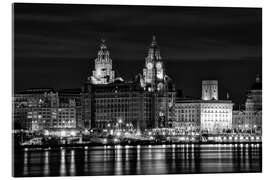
(102, 44)
(228, 96)
(154, 42)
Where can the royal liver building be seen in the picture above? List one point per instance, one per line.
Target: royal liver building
(143, 103)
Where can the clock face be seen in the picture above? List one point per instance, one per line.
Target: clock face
(149, 65)
(160, 75)
(159, 65)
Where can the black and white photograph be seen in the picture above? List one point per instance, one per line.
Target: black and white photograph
(104, 90)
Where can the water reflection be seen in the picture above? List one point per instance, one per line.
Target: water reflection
(46, 169)
(72, 169)
(63, 163)
(155, 159)
(25, 163)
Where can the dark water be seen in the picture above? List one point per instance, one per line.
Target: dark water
(155, 159)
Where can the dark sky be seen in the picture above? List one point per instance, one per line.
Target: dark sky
(55, 45)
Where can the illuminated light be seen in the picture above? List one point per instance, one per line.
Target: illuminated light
(258, 138)
(115, 140)
(230, 138)
(149, 133)
(85, 147)
(173, 145)
(109, 125)
(163, 145)
(163, 133)
(111, 132)
(151, 137)
(118, 134)
(73, 133)
(159, 65)
(25, 149)
(86, 131)
(120, 120)
(105, 141)
(63, 133)
(160, 75)
(252, 138)
(241, 145)
(150, 146)
(149, 65)
(241, 137)
(46, 133)
(98, 72)
(182, 138)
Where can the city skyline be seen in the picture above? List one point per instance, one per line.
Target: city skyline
(46, 59)
(136, 90)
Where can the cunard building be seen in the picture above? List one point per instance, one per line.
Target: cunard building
(146, 102)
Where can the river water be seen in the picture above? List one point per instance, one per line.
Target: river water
(140, 160)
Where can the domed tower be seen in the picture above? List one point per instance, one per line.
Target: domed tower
(154, 72)
(103, 73)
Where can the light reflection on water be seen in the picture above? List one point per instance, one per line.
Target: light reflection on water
(46, 169)
(63, 163)
(144, 159)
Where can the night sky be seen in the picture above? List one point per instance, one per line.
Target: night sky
(55, 45)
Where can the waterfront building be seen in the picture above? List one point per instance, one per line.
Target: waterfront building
(156, 80)
(119, 102)
(146, 102)
(238, 120)
(207, 115)
(37, 110)
(249, 119)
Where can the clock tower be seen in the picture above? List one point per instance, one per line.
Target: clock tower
(153, 72)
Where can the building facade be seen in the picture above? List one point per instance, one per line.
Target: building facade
(203, 116)
(250, 118)
(207, 115)
(37, 110)
(145, 102)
